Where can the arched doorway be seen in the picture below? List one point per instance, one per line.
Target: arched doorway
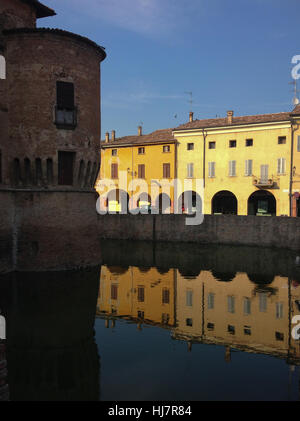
(262, 202)
(144, 202)
(224, 202)
(117, 201)
(189, 202)
(163, 203)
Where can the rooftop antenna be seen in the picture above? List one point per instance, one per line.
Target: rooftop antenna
(296, 91)
(190, 101)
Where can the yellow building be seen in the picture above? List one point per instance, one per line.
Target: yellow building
(137, 171)
(250, 165)
(234, 311)
(145, 295)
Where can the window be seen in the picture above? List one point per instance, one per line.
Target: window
(65, 112)
(231, 329)
(279, 336)
(2, 67)
(141, 151)
(114, 292)
(189, 298)
(264, 173)
(165, 296)
(141, 294)
(65, 168)
(232, 168)
(210, 301)
(232, 143)
(248, 167)
(247, 330)
(281, 140)
(211, 169)
(210, 326)
(114, 171)
(189, 322)
(190, 170)
(190, 146)
(262, 302)
(279, 310)
(247, 306)
(249, 142)
(212, 145)
(141, 314)
(166, 170)
(141, 171)
(166, 148)
(114, 152)
(231, 303)
(281, 166)
(298, 144)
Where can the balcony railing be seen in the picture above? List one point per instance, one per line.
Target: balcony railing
(263, 182)
(65, 119)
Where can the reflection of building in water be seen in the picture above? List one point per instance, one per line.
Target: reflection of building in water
(51, 349)
(144, 294)
(230, 309)
(3, 373)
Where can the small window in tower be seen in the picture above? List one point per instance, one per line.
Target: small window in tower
(2, 67)
(65, 168)
(65, 110)
(232, 143)
(281, 140)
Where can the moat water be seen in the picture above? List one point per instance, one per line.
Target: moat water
(178, 322)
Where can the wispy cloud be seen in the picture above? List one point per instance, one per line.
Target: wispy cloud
(148, 17)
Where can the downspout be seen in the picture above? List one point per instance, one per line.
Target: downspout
(204, 132)
(295, 126)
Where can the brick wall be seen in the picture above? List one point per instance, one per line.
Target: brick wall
(279, 232)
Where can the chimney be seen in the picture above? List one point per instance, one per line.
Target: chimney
(140, 130)
(229, 117)
(113, 135)
(191, 116)
(106, 137)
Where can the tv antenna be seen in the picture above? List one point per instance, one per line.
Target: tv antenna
(296, 91)
(190, 101)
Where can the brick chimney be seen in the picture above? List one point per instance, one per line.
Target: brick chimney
(140, 130)
(229, 117)
(113, 135)
(191, 116)
(106, 137)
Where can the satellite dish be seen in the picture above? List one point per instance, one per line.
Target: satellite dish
(296, 101)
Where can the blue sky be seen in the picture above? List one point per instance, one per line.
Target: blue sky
(232, 54)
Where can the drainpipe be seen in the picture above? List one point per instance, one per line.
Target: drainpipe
(204, 133)
(294, 126)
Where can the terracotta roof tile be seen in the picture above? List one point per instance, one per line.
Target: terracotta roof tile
(158, 136)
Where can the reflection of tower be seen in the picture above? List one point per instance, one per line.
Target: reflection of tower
(51, 349)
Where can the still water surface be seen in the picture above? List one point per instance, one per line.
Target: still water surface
(163, 322)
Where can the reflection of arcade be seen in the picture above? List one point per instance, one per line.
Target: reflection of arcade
(51, 351)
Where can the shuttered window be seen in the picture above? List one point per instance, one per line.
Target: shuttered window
(114, 292)
(232, 168)
(231, 304)
(65, 168)
(141, 171)
(248, 167)
(114, 170)
(189, 298)
(141, 294)
(211, 301)
(190, 170)
(247, 305)
(281, 166)
(165, 296)
(264, 172)
(298, 144)
(211, 169)
(279, 310)
(65, 95)
(166, 170)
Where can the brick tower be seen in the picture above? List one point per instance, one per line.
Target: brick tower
(49, 139)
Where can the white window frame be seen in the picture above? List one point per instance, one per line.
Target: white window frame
(232, 168)
(281, 166)
(248, 167)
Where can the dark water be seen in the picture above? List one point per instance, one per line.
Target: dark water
(163, 322)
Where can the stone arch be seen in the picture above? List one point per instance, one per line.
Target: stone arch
(81, 172)
(224, 202)
(188, 202)
(38, 171)
(27, 171)
(17, 176)
(49, 171)
(262, 202)
(144, 201)
(117, 201)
